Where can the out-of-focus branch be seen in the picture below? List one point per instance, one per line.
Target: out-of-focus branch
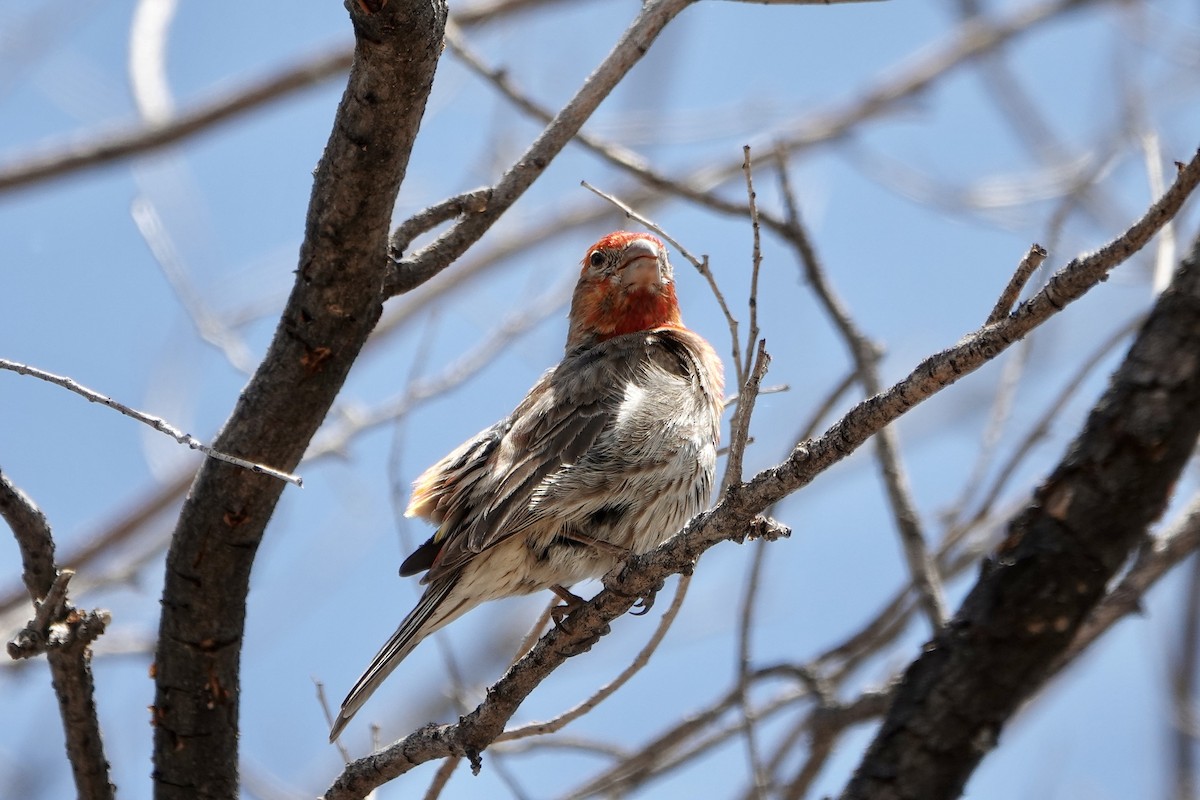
(51, 163)
(97, 149)
(887, 445)
(65, 633)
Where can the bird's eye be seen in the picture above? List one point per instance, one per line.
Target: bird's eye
(596, 259)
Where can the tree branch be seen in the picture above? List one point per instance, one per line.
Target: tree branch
(334, 305)
(70, 661)
(411, 272)
(1035, 594)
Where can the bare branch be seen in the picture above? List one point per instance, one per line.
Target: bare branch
(1053, 569)
(1029, 264)
(158, 423)
(633, 44)
(887, 446)
(64, 159)
(70, 661)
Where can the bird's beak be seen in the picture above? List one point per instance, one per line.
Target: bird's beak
(640, 267)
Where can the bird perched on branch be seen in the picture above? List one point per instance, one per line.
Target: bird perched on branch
(610, 453)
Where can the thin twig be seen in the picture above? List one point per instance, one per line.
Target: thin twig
(441, 778)
(755, 257)
(158, 423)
(323, 702)
(606, 691)
(210, 327)
(759, 780)
(1029, 264)
(739, 426)
(1183, 691)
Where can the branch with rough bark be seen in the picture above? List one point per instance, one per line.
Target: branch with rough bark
(334, 305)
(64, 633)
(1037, 590)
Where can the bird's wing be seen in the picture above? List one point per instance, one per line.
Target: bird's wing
(486, 484)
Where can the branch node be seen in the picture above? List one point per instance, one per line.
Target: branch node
(1008, 298)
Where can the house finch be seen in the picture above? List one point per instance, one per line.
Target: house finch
(610, 453)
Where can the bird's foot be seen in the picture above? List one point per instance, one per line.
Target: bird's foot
(561, 614)
(571, 601)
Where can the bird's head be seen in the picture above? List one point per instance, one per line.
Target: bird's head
(626, 285)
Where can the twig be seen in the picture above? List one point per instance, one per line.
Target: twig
(323, 702)
(34, 639)
(739, 426)
(208, 325)
(755, 257)
(759, 780)
(606, 691)
(441, 778)
(1183, 691)
(1029, 264)
(471, 202)
(158, 423)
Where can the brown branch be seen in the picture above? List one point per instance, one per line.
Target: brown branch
(1035, 593)
(1152, 562)
(64, 159)
(335, 303)
(70, 661)
(1029, 264)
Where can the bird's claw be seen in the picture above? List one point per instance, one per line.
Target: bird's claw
(559, 614)
(644, 604)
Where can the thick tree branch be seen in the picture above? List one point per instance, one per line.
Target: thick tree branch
(334, 305)
(1035, 594)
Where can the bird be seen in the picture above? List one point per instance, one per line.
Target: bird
(610, 453)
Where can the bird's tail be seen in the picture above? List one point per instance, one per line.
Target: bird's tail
(431, 613)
